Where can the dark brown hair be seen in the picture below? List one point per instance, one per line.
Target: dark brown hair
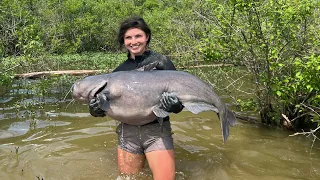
(133, 22)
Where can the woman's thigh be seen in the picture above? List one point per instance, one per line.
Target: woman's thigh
(129, 163)
(162, 164)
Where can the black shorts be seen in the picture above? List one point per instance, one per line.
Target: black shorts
(145, 138)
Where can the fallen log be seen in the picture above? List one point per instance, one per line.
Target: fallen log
(205, 65)
(35, 75)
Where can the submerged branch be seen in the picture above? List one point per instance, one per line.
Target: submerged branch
(311, 132)
(246, 118)
(308, 133)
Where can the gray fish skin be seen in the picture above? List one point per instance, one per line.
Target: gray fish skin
(134, 96)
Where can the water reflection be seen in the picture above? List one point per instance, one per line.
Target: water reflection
(83, 147)
(67, 143)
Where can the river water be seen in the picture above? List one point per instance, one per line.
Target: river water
(60, 140)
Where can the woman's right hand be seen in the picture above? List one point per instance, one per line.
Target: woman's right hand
(95, 109)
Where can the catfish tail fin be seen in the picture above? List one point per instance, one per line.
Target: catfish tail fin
(229, 119)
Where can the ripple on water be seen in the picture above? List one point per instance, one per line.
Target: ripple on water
(21, 128)
(66, 114)
(94, 130)
(5, 100)
(193, 148)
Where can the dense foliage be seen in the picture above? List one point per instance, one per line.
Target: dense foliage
(277, 41)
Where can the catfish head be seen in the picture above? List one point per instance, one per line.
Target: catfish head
(86, 89)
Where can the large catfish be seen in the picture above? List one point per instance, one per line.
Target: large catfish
(133, 97)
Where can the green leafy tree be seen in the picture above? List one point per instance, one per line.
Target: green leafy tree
(277, 42)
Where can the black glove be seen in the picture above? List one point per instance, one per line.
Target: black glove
(171, 103)
(162, 63)
(95, 105)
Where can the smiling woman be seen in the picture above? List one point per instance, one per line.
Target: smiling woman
(154, 145)
(135, 41)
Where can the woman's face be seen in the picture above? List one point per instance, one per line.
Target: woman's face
(135, 40)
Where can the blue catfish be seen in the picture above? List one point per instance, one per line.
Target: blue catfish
(133, 97)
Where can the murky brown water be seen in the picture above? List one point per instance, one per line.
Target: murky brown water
(67, 143)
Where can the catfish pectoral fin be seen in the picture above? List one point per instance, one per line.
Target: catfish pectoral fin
(196, 108)
(160, 112)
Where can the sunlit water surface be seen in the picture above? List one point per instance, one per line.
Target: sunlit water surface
(62, 141)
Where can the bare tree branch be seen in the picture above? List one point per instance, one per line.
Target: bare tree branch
(309, 133)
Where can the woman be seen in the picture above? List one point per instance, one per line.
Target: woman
(149, 141)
